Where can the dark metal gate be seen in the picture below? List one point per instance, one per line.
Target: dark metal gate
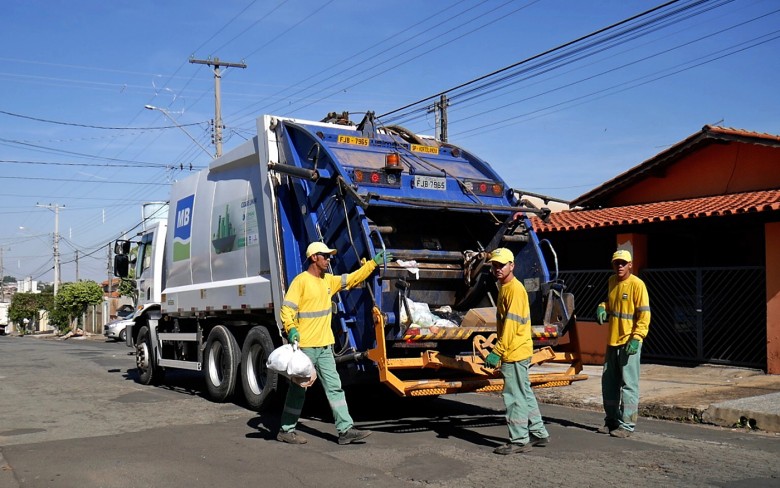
(699, 315)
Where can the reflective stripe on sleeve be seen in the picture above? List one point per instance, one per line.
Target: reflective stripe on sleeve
(290, 304)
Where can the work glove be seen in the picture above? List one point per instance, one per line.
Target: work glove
(381, 256)
(601, 314)
(293, 335)
(492, 359)
(632, 347)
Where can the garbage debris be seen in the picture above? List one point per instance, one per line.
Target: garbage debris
(423, 319)
(410, 266)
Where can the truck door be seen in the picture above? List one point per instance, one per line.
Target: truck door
(145, 269)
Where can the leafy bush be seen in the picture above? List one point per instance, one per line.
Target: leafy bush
(73, 299)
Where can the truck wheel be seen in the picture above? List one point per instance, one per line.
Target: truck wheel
(145, 361)
(256, 379)
(221, 363)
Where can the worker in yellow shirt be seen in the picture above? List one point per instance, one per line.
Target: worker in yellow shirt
(514, 348)
(306, 316)
(627, 310)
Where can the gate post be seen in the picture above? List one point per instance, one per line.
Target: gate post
(772, 267)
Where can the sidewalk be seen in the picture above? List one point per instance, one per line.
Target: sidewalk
(718, 395)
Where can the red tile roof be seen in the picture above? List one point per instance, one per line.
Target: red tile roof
(756, 137)
(717, 206)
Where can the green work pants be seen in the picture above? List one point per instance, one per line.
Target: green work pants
(522, 411)
(620, 387)
(325, 364)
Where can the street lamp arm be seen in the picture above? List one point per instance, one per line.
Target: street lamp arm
(165, 112)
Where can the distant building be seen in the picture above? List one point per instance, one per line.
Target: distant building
(28, 285)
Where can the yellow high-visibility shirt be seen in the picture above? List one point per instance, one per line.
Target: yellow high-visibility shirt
(513, 323)
(307, 304)
(628, 306)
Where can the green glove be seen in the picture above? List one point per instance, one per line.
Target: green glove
(293, 335)
(381, 256)
(632, 347)
(492, 359)
(601, 314)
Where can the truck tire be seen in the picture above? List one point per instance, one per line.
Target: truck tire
(257, 380)
(221, 363)
(145, 360)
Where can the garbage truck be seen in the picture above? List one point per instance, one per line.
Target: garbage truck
(212, 278)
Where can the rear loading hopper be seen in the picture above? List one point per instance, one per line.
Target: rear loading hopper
(424, 323)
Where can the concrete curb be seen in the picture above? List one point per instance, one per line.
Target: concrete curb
(672, 412)
(759, 412)
(724, 396)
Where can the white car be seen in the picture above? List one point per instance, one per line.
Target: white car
(117, 329)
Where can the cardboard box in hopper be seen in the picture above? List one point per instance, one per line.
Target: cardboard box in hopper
(480, 317)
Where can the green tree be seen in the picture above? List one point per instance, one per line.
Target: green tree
(58, 317)
(74, 298)
(27, 306)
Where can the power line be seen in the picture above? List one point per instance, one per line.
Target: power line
(93, 165)
(614, 69)
(103, 182)
(624, 86)
(74, 124)
(325, 74)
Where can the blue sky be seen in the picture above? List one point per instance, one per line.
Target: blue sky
(76, 76)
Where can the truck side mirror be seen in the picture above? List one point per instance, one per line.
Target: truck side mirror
(121, 247)
(121, 265)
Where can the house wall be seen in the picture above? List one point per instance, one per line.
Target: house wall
(716, 169)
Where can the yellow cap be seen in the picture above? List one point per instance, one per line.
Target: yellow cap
(318, 247)
(621, 255)
(502, 255)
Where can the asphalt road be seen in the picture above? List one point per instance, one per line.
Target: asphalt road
(73, 416)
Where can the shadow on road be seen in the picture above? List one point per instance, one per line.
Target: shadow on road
(376, 408)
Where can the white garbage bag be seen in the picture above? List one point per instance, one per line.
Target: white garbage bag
(293, 363)
(300, 364)
(280, 358)
(421, 314)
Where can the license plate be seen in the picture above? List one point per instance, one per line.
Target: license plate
(355, 141)
(430, 182)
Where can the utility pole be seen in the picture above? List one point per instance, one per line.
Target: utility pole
(2, 276)
(77, 265)
(56, 209)
(440, 110)
(108, 271)
(216, 64)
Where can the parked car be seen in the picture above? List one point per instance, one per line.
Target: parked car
(125, 310)
(117, 329)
